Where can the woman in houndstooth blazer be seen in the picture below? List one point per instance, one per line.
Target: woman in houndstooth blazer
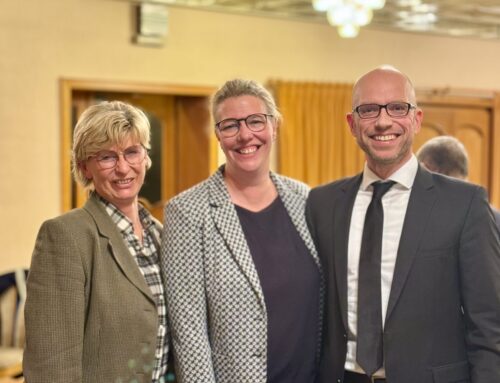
(243, 280)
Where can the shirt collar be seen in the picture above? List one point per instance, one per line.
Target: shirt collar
(121, 220)
(404, 176)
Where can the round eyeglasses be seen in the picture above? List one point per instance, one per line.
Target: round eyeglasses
(107, 159)
(393, 109)
(231, 126)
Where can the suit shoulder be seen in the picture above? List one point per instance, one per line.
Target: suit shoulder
(332, 187)
(72, 233)
(446, 183)
(196, 192)
(190, 202)
(292, 185)
(71, 219)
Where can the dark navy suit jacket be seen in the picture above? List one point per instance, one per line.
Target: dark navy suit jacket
(443, 317)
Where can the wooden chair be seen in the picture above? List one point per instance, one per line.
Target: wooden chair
(12, 298)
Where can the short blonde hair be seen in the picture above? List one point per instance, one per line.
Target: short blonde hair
(239, 87)
(103, 125)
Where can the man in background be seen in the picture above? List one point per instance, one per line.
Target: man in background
(447, 155)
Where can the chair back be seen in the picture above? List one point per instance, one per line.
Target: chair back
(12, 299)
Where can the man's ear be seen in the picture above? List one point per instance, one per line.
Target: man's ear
(350, 121)
(419, 116)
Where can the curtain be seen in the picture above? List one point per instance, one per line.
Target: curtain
(315, 144)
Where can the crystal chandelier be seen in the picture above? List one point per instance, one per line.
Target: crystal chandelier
(348, 15)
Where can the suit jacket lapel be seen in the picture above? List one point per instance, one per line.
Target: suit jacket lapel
(117, 246)
(228, 224)
(420, 204)
(342, 213)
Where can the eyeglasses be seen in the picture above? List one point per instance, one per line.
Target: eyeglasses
(107, 159)
(231, 126)
(393, 109)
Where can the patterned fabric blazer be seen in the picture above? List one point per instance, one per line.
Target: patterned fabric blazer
(214, 298)
(90, 316)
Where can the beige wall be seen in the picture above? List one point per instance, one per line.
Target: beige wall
(44, 41)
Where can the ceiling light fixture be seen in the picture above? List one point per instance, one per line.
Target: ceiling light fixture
(348, 15)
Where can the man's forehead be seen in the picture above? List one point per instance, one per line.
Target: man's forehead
(382, 87)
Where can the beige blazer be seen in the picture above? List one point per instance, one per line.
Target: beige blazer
(90, 316)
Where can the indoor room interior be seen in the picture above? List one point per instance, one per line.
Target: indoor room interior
(167, 57)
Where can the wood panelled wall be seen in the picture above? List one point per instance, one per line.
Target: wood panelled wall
(474, 118)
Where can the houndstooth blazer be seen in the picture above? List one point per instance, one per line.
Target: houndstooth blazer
(215, 301)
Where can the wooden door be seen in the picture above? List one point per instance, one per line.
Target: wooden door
(471, 125)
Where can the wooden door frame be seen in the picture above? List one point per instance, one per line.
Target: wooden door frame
(495, 165)
(68, 86)
(473, 98)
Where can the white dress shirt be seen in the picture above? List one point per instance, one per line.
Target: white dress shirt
(395, 202)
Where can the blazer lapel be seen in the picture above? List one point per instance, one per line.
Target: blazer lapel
(295, 207)
(342, 213)
(228, 224)
(420, 205)
(117, 246)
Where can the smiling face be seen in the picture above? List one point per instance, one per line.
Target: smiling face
(387, 141)
(246, 152)
(121, 184)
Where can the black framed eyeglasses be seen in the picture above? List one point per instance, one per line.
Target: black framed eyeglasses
(393, 109)
(107, 159)
(231, 126)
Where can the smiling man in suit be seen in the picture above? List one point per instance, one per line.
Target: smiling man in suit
(411, 258)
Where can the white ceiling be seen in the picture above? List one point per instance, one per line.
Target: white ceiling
(461, 18)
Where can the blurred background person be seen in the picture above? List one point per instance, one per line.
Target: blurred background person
(447, 155)
(242, 275)
(95, 309)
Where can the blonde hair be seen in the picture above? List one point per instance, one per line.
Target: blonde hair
(103, 125)
(239, 87)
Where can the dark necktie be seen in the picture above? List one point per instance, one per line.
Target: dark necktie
(369, 353)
